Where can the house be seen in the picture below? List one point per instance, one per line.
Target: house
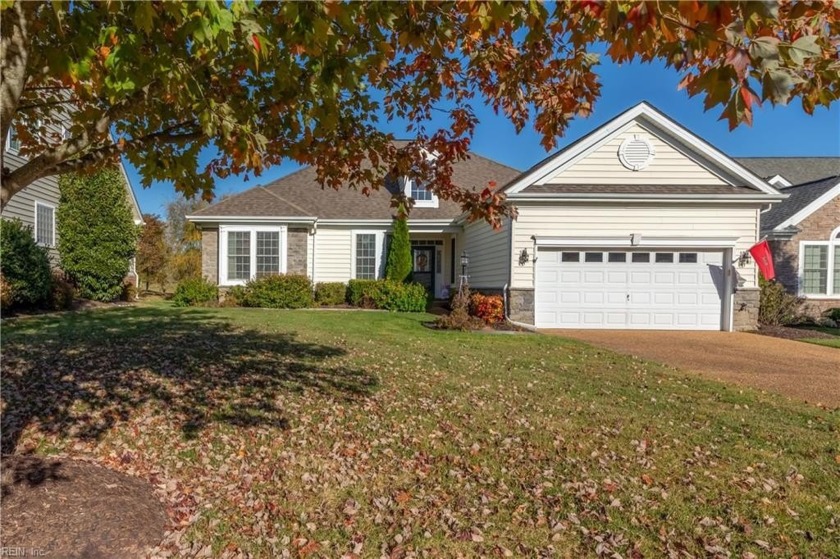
(639, 224)
(35, 205)
(804, 230)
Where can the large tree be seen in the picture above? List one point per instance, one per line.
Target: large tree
(246, 85)
(152, 252)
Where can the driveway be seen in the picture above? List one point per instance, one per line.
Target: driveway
(796, 369)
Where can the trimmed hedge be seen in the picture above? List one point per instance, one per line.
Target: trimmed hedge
(330, 294)
(195, 292)
(387, 295)
(25, 267)
(291, 291)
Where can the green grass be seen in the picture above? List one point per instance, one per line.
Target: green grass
(829, 342)
(328, 433)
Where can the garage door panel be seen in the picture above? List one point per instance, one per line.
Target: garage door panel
(676, 292)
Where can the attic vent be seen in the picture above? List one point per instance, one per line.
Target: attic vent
(636, 153)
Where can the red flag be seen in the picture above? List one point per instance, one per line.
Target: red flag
(762, 256)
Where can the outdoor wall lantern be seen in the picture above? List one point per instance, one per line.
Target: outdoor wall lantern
(744, 259)
(524, 257)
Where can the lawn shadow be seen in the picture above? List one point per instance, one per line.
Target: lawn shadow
(79, 375)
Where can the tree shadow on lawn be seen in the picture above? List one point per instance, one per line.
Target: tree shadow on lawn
(79, 375)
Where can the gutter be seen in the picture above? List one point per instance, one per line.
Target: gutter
(248, 219)
(713, 198)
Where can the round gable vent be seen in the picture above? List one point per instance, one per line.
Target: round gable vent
(636, 153)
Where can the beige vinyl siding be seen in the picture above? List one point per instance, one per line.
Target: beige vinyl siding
(620, 220)
(602, 165)
(333, 254)
(489, 252)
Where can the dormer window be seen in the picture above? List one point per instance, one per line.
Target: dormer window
(423, 197)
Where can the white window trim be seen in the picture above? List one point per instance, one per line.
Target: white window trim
(253, 229)
(35, 229)
(433, 203)
(832, 243)
(9, 148)
(380, 241)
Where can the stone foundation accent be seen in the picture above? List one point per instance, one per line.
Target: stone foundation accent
(521, 303)
(210, 255)
(815, 308)
(745, 313)
(296, 250)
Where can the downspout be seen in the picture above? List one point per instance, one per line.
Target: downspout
(314, 238)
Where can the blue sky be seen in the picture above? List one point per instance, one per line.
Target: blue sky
(779, 131)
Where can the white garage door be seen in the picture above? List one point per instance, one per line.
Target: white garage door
(639, 289)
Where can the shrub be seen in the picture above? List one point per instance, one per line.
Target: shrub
(234, 297)
(387, 295)
(777, 307)
(363, 292)
(5, 294)
(185, 265)
(398, 265)
(833, 314)
(489, 308)
(25, 266)
(459, 314)
(290, 291)
(96, 233)
(330, 293)
(129, 291)
(195, 292)
(63, 293)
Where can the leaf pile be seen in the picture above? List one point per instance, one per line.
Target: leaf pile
(315, 434)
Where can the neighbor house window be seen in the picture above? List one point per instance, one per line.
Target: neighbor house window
(251, 252)
(44, 224)
(423, 197)
(12, 140)
(819, 266)
(366, 259)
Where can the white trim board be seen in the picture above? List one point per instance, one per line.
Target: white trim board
(643, 243)
(805, 212)
(643, 113)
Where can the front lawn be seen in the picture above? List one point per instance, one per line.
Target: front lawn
(325, 433)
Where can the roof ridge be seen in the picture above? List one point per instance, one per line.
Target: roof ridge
(295, 206)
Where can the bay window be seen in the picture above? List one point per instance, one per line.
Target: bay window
(819, 267)
(250, 252)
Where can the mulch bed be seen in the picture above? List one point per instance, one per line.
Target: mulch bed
(73, 509)
(789, 333)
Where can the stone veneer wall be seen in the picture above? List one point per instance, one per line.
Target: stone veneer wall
(745, 311)
(210, 255)
(816, 227)
(296, 250)
(521, 303)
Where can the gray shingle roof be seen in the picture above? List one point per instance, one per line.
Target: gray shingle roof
(797, 170)
(300, 195)
(799, 197)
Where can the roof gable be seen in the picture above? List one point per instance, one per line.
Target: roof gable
(803, 200)
(686, 157)
(796, 170)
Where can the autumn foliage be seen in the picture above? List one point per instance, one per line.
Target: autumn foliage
(489, 308)
(255, 84)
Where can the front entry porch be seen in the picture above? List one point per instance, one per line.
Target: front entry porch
(433, 262)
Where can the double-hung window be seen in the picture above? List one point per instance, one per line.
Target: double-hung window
(419, 191)
(44, 224)
(367, 250)
(251, 252)
(13, 140)
(819, 267)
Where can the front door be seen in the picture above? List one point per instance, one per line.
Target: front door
(423, 267)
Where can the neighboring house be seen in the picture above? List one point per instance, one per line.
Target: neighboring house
(640, 224)
(37, 204)
(804, 232)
